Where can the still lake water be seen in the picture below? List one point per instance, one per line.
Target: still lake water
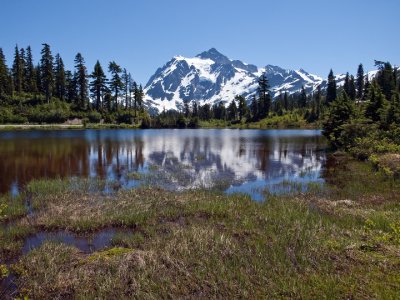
(248, 161)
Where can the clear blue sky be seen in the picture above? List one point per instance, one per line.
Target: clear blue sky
(143, 35)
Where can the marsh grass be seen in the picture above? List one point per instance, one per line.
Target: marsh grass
(12, 207)
(340, 241)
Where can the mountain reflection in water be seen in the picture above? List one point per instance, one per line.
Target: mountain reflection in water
(230, 160)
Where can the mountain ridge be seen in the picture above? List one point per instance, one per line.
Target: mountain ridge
(211, 77)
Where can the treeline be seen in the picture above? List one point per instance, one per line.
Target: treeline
(47, 92)
(369, 127)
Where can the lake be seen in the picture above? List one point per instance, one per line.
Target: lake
(255, 162)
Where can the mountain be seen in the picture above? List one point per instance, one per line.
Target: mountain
(211, 77)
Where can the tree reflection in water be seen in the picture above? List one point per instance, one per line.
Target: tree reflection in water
(231, 160)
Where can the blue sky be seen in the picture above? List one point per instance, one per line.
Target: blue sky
(144, 35)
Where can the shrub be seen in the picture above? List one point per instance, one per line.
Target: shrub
(94, 117)
(125, 117)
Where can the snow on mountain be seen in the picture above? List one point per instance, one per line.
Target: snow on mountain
(211, 77)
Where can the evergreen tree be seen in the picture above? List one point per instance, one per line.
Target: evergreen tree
(393, 116)
(352, 88)
(367, 85)
(98, 85)
(242, 107)
(135, 96)
(346, 85)
(331, 89)
(140, 97)
(30, 72)
(195, 109)
(71, 93)
(125, 82)
(131, 89)
(264, 97)
(38, 78)
(115, 83)
(22, 62)
(220, 111)
(386, 78)
(232, 110)
(81, 82)
(360, 82)
(17, 71)
(186, 110)
(108, 100)
(303, 98)
(46, 72)
(254, 108)
(377, 104)
(60, 83)
(205, 112)
(3, 74)
(10, 85)
(340, 112)
(318, 101)
(286, 101)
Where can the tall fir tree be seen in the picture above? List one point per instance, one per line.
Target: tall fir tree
(131, 90)
(98, 85)
(115, 82)
(60, 81)
(30, 72)
(135, 96)
(81, 82)
(141, 97)
(3, 74)
(17, 71)
(386, 78)
(331, 89)
(22, 62)
(71, 87)
(232, 110)
(38, 79)
(303, 98)
(318, 101)
(125, 82)
(242, 107)
(360, 82)
(264, 98)
(254, 108)
(46, 72)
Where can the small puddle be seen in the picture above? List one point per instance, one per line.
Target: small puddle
(86, 243)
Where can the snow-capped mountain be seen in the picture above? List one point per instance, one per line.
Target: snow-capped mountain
(211, 77)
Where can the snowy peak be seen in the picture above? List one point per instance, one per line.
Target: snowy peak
(211, 77)
(215, 56)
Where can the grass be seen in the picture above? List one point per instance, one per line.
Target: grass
(338, 242)
(11, 207)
